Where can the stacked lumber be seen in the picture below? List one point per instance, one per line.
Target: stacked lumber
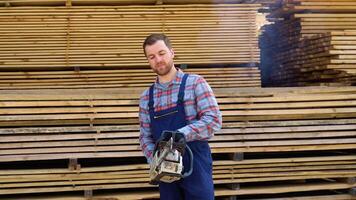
(46, 115)
(220, 192)
(317, 197)
(226, 77)
(254, 190)
(314, 23)
(293, 6)
(310, 43)
(15, 3)
(62, 124)
(322, 59)
(112, 36)
(334, 168)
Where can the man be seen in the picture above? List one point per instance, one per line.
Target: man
(183, 103)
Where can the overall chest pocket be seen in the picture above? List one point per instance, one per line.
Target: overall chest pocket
(167, 114)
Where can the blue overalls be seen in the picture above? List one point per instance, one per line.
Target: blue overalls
(199, 185)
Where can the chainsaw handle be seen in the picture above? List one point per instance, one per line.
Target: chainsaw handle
(188, 173)
(153, 182)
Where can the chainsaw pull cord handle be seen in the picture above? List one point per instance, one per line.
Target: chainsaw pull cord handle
(188, 173)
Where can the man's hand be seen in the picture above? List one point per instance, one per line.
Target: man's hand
(179, 141)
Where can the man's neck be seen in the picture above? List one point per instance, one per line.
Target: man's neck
(168, 77)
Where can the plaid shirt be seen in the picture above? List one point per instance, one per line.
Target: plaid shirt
(201, 109)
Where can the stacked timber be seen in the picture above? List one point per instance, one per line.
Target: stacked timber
(257, 120)
(326, 6)
(293, 169)
(64, 124)
(48, 48)
(122, 2)
(218, 77)
(304, 138)
(321, 59)
(112, 36)
(298, 27)
(219, 192)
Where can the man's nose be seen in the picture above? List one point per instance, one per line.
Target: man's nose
(158, 59)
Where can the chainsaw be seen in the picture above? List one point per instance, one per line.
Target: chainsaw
(167, 163)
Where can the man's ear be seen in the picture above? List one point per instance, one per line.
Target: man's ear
(172, 52)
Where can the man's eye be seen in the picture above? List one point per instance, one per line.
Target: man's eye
(151, 57)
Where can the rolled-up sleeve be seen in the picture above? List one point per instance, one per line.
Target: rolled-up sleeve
(209, 119)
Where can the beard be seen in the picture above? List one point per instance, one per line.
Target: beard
(162, 71)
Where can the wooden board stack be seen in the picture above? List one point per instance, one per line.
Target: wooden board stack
(220, 192)
(44, 38)
(64, 124)
(15, 3)
(305, 21)
(218, 77)
(321, 59)
(69, 89)
(333, 168)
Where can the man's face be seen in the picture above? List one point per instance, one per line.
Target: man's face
(160, 57)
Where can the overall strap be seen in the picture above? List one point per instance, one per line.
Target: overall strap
(181, 89)
(150, 100)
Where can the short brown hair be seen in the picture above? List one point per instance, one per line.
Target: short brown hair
(153, 38)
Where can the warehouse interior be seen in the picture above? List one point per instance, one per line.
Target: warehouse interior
(283, 72)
